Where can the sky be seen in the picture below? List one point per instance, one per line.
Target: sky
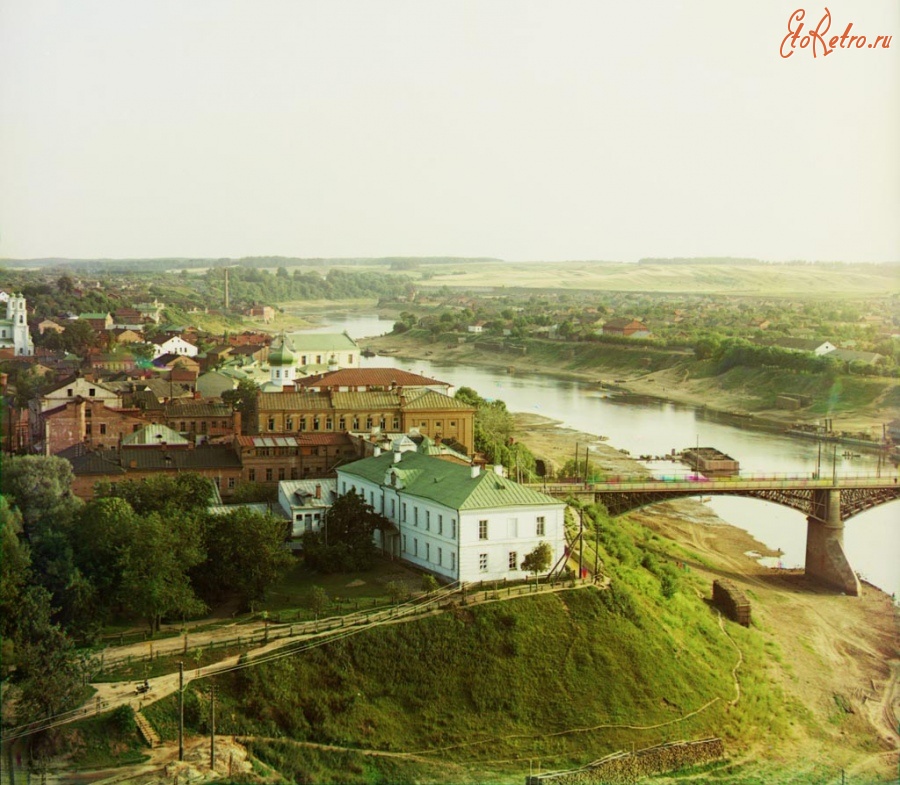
(518, 129)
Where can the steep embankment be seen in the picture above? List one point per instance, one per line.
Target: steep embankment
(482, 693)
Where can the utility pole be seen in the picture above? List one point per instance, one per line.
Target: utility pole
(834, 465)
(212, 726)
(180, 710)
(580, 543)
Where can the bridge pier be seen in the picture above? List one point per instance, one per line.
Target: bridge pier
(826, 561)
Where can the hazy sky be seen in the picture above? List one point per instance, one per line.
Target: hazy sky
(521, 129)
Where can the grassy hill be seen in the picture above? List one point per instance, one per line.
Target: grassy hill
(481, 693)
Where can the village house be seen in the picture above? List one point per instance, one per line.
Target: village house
(113, 362)
(626, 328)
(305, 503)
(811, 346)
(458, 522)
(201, 420)
(264, 312)
(97, 321)
(174, 345)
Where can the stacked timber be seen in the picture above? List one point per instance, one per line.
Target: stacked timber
(729, 599)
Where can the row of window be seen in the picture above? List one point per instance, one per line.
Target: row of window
(439, 550)
(540, 527)
(282, 474)
(355, 421)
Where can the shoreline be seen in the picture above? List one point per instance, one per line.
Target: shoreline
(657, 386)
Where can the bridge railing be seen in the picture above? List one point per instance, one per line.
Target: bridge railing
(743, 481)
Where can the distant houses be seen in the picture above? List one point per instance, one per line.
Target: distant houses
(626, 328)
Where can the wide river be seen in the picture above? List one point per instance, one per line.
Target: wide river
(651, 427)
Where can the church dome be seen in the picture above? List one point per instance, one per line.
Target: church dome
(281, 356)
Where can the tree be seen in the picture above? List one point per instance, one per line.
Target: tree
(318, 601)
(346, 545)
(245, 552)
(429, 583)
(159, 492)
(41, 488)
(538, 560)
(243, 399)
(155, 568)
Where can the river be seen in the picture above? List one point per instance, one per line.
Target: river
(645, 426)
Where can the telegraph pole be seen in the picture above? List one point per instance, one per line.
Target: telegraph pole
(180, 710)
(580, 543)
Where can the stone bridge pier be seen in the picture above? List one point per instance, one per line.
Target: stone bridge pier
(826, 561)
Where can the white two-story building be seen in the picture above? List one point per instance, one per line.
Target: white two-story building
(456, 521)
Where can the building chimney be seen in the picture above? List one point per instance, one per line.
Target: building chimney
(318, 491)
(498, 469)
(397, 455)
(377, 451)
(476, 470)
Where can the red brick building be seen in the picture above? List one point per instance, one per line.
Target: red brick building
(88, 422)
(271, 458)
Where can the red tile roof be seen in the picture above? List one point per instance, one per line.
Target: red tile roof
(368, 377)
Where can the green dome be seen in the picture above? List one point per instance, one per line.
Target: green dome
(281, 356)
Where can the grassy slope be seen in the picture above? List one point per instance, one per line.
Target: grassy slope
(484, 689)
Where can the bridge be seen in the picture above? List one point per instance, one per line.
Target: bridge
(826, 502)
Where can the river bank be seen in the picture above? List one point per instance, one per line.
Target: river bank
(677, 383)
(836, 656)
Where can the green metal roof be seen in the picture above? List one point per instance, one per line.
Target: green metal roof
(322, 342)
(153, 434)
(447, 483)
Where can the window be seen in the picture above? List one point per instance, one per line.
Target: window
(404, 512)
(92, 392)
(482, 562)
(70, 392)
(302, 423)
(329, 423)
(87, 429)
(427, 551)
(440, 556)
(271, 423)
(452, 561)
(513, 560)
(424, 424)
(453, 528)
(415, 516)
(415, 547)
(540, 526)
(428, 520)
(482, 530)
(440, 524)
(355, 422)
(342, 423)
(396, 423)
(231, 483)
(438, 424)
(369, 423)
(404, 543)
(452, 423)
(268, 475)
(251, 475)
(281, 474)
(277, 374)
(183, 426)
(289, 423)
(393, 509)
(103, 429)
(315, 423)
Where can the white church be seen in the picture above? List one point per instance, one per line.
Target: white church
(14, 332)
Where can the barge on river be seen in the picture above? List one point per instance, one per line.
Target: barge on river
(710, 461)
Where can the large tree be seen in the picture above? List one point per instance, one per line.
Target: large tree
(155, 582)
(245, 554)
(345, 544)
(41, 488)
